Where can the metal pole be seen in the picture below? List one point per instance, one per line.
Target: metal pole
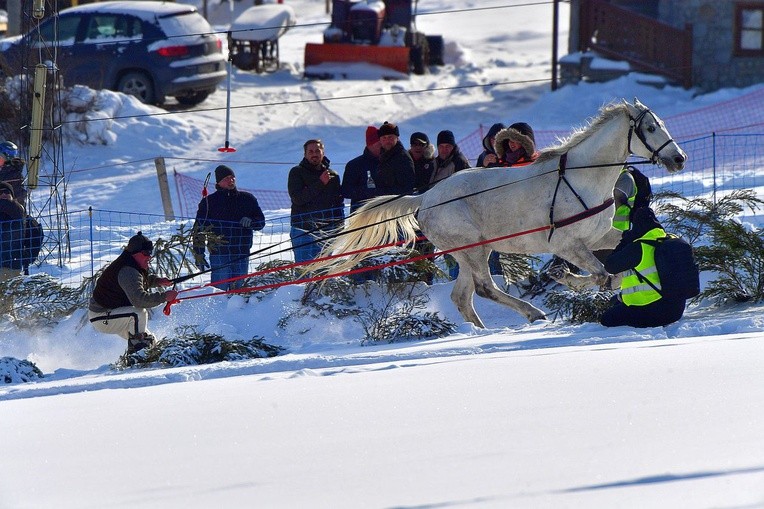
(555, 26)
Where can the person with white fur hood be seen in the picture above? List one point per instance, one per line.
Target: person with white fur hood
(516, 145)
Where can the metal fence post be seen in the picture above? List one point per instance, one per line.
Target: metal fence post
(713, 167)
(92, 252)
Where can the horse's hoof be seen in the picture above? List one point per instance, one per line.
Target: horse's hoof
(540, 316)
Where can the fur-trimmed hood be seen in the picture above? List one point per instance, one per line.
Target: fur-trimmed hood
(511, 134)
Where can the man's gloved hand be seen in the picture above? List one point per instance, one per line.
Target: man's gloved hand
(246, 222)
(200, 261)
(170, 295)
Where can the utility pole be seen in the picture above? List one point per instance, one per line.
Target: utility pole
(555, 28)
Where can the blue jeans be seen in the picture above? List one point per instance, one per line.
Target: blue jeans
(226, 266)
(304, 246)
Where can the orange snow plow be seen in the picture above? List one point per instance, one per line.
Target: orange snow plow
(374, 32)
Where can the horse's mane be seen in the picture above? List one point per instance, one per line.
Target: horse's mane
(579, 134)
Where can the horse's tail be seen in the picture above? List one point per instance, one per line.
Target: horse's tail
(380, 221)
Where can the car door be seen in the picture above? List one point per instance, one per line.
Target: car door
(105, 43)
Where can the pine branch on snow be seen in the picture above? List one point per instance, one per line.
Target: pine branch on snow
(16, 371)
(191, 348)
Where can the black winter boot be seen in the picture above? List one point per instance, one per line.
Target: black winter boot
(138, 342)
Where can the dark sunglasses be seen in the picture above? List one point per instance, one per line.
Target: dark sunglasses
(5, 191)
(147, 252)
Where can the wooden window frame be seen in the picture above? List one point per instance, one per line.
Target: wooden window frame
(739, 8)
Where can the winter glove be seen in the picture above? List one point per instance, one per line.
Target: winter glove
(201, 262)
(246, 222)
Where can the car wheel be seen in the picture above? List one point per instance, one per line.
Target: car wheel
(138, 84)
(192, 99)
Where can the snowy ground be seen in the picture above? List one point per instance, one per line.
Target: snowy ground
(516, 415)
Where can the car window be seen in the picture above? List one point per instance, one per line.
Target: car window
(189, 23)
(112, 27)
(67, 30)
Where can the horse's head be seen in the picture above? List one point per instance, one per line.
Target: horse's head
(653, 140)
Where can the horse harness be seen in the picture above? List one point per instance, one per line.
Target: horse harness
(634, 127)
(587, 212)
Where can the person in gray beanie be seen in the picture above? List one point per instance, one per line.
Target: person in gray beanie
(121, 297)
(449, 159)
(232, 216)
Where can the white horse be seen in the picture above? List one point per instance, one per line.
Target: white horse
(561, 204)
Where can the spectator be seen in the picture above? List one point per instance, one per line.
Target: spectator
(449, 159)
(317, 202)
(422, 152)
(639, 304)
(121, 297)
(396, 168)
(12, 248)
(488, 156)
(361, 173)
(516, 145)
(11, 170)
(232, 216)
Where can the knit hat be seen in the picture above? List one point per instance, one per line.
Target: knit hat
(372, 135)
(388, 128)
(139, 243)
(446, 137)
(492, 132)
(7, 187)
(222, 172)
(419, 137)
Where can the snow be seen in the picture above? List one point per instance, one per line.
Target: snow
(548, 414)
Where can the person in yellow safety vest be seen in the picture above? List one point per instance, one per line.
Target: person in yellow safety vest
(624, 194)
(639, 304)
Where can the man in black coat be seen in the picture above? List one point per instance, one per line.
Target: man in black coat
(423, 154)
(232, 216)
(396, 168)
(361, 173)
(317, 202)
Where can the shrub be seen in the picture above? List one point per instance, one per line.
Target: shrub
(191, 347)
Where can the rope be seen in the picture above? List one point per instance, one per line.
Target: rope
(559, 224)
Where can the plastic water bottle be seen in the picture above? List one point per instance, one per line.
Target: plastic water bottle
(370, 181)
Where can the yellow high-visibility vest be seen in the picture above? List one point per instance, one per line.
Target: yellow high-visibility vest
(635, 291)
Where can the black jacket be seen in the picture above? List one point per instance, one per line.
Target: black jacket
(124, 283)
(315, 205)
(220, 213)
(396, 171)
(355, 180)
(13, 249)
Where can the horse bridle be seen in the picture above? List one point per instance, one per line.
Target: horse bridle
(635, 126)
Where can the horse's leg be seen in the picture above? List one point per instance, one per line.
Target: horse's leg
(476, 262)
(462, 293)
(581, 256)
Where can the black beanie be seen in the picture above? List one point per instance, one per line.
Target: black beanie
(222, 172)
(525, 129)
(139, 243)
(388, 128)
(7, 187)
(420, 137)
(446, 137)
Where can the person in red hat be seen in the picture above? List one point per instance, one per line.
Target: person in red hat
(361, 174)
